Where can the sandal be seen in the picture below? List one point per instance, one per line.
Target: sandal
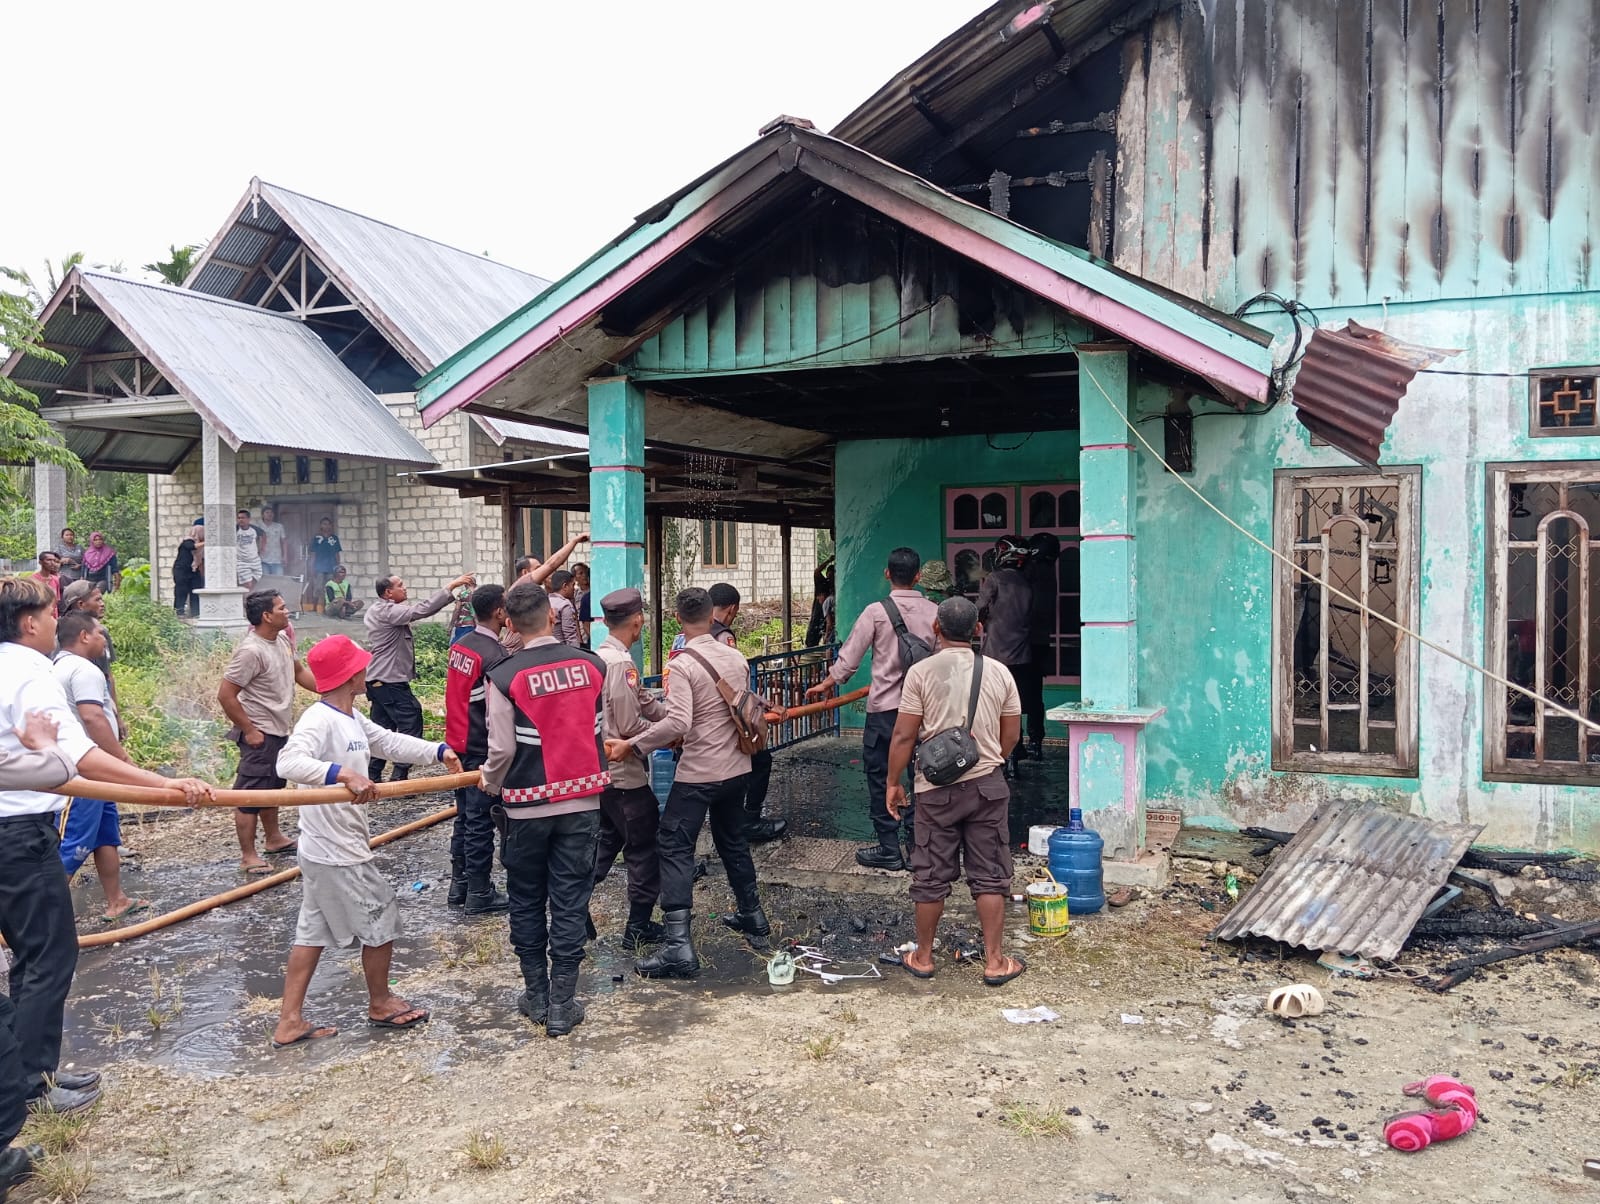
(418, 1016)
(133, 909)
(256, 871)
(316, 1032)
(292, 847)
(1000, 980)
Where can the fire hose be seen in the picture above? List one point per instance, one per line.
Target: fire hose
(156, 796)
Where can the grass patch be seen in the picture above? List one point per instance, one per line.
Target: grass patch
(1030, 1121)
(61, 1181)
(57, 1133)
(482, 946)
(338, 1147)
(822, 1047)
(486, 1152)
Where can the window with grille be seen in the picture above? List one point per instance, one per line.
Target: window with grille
(1345, 680)
(1565, 401)
(1544, 622)
(977, 515)
(542, 531)
(719, 544)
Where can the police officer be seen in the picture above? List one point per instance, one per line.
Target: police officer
(724, 609)
(712, 777)
(1004, 602)
(628, 809)
(466, 729)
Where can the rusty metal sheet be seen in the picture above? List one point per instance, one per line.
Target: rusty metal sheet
(1355, 878)
(1350, 383)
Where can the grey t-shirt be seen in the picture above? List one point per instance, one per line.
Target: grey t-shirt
(264, 672)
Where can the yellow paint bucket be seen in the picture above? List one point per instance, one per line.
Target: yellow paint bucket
(1047, 906)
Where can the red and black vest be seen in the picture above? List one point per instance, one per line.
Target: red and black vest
(555, 692)
(466, 709)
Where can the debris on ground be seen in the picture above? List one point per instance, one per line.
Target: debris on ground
(1456, 1111)
(1035, 1015)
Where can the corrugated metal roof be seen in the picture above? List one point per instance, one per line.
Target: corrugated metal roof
(501, 429)
(1350, 383)
(427, 298)
(1355, 878)
(260, 378)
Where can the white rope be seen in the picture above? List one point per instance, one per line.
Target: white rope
(1332, 589)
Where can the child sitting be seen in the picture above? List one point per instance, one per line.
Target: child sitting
(344, 896)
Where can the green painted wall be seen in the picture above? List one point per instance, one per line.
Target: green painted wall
(1205, 592)
(890, 492)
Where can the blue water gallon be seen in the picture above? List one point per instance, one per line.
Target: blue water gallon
(663, 769)
(1075, 863)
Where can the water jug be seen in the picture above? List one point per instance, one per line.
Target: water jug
(1075, 863)
(663, 769)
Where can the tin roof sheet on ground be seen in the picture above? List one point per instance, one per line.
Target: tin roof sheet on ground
(1355, 878)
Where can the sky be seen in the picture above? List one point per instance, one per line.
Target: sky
(529, 131)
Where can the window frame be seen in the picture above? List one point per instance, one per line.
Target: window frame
(1404, 761)
(1498, 480)
(1537, 375)
(710, 530)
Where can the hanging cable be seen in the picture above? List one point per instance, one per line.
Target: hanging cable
(1400, 628)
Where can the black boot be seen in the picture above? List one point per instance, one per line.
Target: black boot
(676, 957)
(641, 929)
(17, 1163)
(458, 884)
(760, 831)
(534, 1002)
(484, 898)
(752, 922)
(881, 857)
(566, 1013)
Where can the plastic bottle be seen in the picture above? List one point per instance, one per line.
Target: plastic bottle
(663, 769)
(1075, 863)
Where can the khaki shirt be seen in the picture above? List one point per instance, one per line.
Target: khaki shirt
(938, 689)
(264, 672)
(628, 711)
(697, 715)
(873, 632)
(390, 639)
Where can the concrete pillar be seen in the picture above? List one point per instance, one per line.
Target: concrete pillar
(1105, 730)
(221, 601)
(616, 486)
(50, 505)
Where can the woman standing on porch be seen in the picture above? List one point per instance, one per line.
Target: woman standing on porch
(100, 564)
(70, 553)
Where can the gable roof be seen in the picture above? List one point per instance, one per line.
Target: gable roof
(427, 298)
(241, 368)
(536, 361)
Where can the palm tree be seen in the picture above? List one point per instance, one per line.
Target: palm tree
(38, 297)
(180, 262)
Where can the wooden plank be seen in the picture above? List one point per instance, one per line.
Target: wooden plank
(1222, 277)
(1424, 152)
(1251, 237)
(696, 338)
(803, 308)
(669, 346)
(776, 346)
(720, 344)
(1162, 203)
(944, 319)
(1537, 115)
(883, 291)
(1320, 104)
(1386, 243)
(915, 262)
(1497, 221)
(1127, 244)
(1575, 74)
(749, 304)
(1187, 272)
(1460, 198)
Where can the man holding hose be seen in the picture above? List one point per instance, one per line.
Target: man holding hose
(35, 903)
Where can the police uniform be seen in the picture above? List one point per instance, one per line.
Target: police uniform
(466, 729)
(629, 814)
(756, 829)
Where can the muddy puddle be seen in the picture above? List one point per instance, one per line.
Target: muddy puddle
(201, 996)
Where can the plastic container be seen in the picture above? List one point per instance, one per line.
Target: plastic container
(1075, 863)
(1039, 839)
(1047, 907)
(663, 770)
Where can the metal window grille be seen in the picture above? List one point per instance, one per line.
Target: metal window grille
(1544, 623)
(1344, 685)
(783, 678)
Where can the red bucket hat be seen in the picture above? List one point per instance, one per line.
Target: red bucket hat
(335, 660)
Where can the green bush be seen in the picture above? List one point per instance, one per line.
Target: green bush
(136, 580)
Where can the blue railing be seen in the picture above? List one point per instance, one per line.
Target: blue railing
(783, 678)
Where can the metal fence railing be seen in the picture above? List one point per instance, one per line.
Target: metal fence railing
(783, 679)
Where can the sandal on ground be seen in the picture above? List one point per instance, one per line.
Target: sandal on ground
(292, 847)
(906, 965)
(133, 909)
(1000, 980)
(418, 1016)
(256, 871)
(316, 1032)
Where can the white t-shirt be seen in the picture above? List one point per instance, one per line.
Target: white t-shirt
(249, 549)
(82, 681)
(325, 740)
(274, 537)
(27, 684)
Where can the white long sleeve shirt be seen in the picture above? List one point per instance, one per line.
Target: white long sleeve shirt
(28, 684)
(324, 741)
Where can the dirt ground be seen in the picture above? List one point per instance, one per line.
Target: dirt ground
(1163, 1080)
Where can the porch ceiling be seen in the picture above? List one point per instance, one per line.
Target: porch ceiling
(537, 362)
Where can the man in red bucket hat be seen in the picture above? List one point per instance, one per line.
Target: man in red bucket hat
(344, 897)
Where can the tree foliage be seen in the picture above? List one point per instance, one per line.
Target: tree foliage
(25, 438)
(179, 263)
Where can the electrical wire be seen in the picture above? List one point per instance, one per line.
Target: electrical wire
(1400, 628)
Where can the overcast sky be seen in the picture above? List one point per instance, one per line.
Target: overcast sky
(531, 131)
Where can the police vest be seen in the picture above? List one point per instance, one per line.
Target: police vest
(466, 711)
(555, 692)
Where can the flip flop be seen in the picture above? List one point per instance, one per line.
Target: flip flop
(137, 906)
(255, 871)
(913, 971)
(389, 1021)
(288, 848)
(1000, 980)
(317, 1032)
